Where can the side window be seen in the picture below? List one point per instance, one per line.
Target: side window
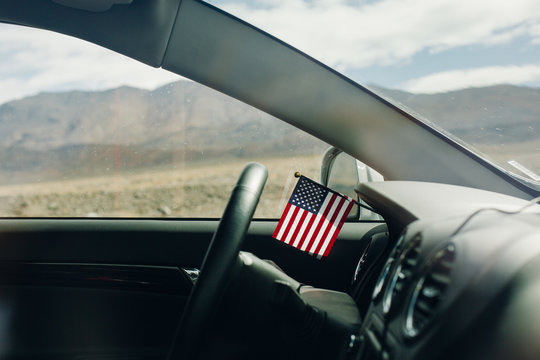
(84, 137)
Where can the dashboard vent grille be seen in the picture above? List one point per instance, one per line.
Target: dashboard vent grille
(404, 270)
(381, 281)
(429, 291)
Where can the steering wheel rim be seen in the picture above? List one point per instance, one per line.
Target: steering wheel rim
(219, 263)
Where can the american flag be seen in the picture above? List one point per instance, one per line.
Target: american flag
(313, 217)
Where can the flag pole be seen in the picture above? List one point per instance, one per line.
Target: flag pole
(297, 174)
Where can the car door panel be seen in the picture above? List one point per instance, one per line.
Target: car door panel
(69, 321)
(85, 289)
(180, 243)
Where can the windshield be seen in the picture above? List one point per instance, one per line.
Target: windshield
(469, 68)
(87, 132)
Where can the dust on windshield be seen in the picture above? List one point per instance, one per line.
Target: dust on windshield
(471, 68)
(86, 132)
(501, 123)
(174, 151)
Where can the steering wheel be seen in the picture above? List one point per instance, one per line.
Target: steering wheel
(219, 263)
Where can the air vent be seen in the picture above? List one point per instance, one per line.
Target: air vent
(429, 291)
(404, 271)
(381, 281)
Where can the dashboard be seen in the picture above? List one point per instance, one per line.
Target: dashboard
(460, 280)
(454, 273)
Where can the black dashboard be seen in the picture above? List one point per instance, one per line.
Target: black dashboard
(459, 280)
(455, 273)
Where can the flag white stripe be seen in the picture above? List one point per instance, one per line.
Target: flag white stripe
(319, 235)
(334, 204)
(284, 225)
(316, 222)
(318, 218)
(294, 225)
(334, 227)
(303, 229)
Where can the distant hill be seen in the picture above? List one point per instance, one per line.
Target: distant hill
(502, 113)
(80, 132)
(182, 115)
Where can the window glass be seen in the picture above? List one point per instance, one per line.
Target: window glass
(85, 132)
(467, 68)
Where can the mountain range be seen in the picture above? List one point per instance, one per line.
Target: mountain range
(479, 116)
(79, 132)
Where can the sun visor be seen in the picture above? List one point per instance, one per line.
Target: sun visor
(136, 28)
(92, 5)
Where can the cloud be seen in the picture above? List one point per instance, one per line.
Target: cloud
(344, 34)
(477, 77)
(33, 61)
(347, 34)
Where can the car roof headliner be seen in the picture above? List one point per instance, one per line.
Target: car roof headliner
(198, 41)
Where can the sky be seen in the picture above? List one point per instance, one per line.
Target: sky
(421, 46)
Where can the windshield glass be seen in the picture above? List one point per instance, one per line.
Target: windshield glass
(471, 68)
(88, 132)
(85, 132)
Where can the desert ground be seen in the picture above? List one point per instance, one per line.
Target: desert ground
(527, 153)
(189, 190)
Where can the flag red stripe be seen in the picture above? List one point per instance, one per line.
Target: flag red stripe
(329, 227)
(338, 228)
(281, 221)
(340, 210)
(303, 229)
(290, 224)
(332, 207)
(299, 225)
(296, 224)
(306, 233)
(321, 222)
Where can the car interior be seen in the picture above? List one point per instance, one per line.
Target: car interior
(447, 269)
